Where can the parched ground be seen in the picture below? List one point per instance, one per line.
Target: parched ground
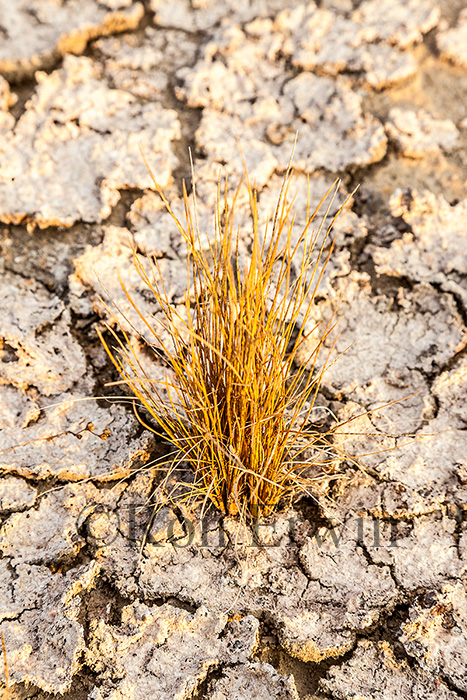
(358, 590)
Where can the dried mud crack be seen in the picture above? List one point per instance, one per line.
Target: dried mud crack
(358, 589)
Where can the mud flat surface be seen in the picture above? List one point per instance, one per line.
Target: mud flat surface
(359, 589)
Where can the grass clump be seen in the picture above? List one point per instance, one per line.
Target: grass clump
(239, 408)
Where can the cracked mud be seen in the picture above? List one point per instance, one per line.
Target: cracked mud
(357, 590)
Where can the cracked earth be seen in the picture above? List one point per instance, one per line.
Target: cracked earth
(357, 590)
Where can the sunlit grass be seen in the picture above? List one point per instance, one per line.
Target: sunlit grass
(239, 408)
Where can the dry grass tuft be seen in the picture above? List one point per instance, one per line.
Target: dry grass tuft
(239, 409)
